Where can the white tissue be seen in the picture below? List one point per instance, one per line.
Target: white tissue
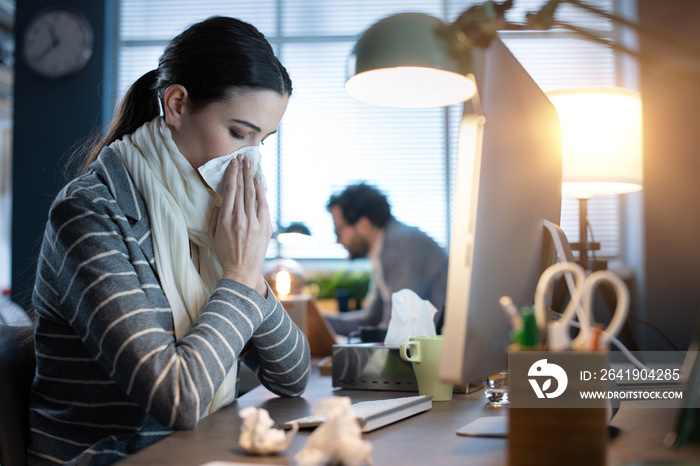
(338, 440)
(257, 435)
(411, 316)
(213, 171)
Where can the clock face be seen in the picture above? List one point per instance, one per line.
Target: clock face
(57, 42)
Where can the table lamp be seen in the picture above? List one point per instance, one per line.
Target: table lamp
(602, 150)
(285, 277)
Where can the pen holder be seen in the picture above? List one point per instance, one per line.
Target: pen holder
(550, 422)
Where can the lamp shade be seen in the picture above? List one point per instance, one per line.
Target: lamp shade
(601, 140)
(404, 61)
(294, 233)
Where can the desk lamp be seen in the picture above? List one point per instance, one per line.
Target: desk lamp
(407, 60)
(286, 276)
(602, 150)
(414, 60)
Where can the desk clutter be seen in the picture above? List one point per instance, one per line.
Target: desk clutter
(337, 438)
(393, 366)
(338, 424)
(641, 435)
(545, 403)
(259, 437)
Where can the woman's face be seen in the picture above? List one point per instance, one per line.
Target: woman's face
(220, 128)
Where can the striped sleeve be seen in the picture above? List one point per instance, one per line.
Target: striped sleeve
(107, 306)
(279, 353)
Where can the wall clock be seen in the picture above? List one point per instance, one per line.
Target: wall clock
(57, 42)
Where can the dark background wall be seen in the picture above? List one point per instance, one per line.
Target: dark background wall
(671, 104)
(50, 117)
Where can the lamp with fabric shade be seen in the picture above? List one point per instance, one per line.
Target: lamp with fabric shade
(287, 276)
(602, 149)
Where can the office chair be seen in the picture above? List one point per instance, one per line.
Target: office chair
(17, 365)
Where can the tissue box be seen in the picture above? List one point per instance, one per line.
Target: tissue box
(371, 366)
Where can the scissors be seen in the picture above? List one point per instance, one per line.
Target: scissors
(582, 288)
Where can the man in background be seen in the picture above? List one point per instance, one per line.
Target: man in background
(402, 256)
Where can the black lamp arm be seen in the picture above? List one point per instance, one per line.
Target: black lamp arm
(544, 20)
(480, 23)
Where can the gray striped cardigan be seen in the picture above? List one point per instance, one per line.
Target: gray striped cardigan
(111, 379)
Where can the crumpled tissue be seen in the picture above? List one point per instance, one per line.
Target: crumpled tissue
(411, 316)
(338, 440)
(213, 171)
(257, 435)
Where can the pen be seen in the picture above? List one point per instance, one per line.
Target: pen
(516, 321)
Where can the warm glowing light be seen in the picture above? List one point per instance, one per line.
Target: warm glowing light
(601, 140)
(294, 239)
(410, 87)
(283, 283)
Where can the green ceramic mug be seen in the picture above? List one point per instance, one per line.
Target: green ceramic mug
(424, 354)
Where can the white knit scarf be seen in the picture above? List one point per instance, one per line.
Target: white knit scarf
(179, 206)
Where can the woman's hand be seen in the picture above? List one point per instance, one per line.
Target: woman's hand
(239, 230)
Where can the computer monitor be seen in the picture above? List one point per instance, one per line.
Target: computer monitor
(508, 180)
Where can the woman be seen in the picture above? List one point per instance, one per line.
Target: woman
(147, 294)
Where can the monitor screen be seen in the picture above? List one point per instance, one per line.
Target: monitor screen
(508, 180)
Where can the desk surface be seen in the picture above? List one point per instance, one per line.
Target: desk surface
(427, 438)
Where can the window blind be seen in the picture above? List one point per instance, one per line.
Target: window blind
(328, 140)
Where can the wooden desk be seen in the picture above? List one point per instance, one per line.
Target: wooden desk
(427, 438)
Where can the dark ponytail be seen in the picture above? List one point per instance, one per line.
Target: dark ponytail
(212, 59)
(138, 106)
